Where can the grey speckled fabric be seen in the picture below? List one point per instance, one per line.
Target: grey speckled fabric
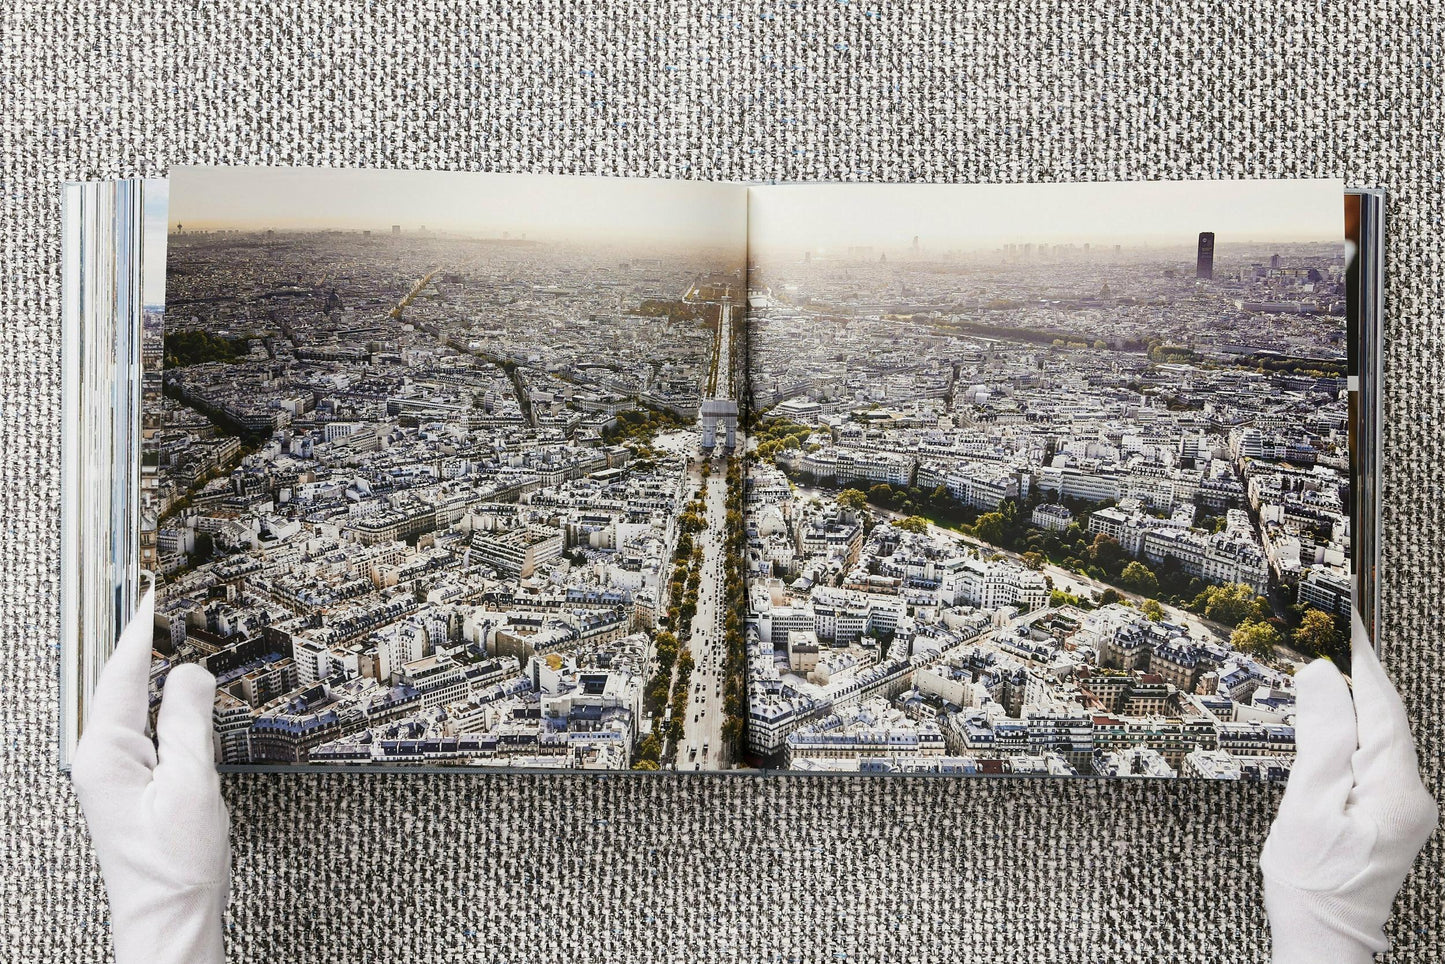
(519, 868)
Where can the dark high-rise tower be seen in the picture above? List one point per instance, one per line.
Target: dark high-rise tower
(1204, 265)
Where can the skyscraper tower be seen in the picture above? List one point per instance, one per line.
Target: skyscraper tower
(1204, 264)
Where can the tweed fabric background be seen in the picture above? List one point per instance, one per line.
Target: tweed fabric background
(520, 868)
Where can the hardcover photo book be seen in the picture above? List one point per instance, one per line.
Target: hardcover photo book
(460, 471)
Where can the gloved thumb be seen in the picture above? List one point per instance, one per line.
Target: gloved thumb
(1314, 842)
(1325, 739)
(183, 726)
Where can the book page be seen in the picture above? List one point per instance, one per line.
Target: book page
(1044, 479)
(153, 274)
(442, 465)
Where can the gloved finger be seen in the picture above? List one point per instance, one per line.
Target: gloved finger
(1385, 764)
(121, 697)
(183, 726)
(1325, 741)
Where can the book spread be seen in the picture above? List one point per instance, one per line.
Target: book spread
(526, 472)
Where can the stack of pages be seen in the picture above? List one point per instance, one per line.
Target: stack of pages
(516, 472)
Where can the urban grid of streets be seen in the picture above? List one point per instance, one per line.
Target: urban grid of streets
(433, 521)
(704, 746)
(1045, 512)
(1052, 511)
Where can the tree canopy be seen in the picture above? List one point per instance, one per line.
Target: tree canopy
(1256, 638)
(1231, 604)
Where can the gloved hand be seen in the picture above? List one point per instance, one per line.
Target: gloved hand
(1353, 817)
(155, 813)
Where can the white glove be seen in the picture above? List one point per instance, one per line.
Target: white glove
(155, 813)
(1353, 817)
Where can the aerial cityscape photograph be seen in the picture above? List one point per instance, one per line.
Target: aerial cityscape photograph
(528, 472)
(1045, 479)
(438, 464)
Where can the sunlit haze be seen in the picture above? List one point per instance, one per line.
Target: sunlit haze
(539, 207)
(789, 219)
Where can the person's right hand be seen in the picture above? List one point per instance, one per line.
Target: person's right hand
(1353, 817)
(160, 827)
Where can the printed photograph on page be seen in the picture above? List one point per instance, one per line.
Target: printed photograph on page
(1044, 479)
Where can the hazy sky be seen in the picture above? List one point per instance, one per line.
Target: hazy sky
(787, 218)
(819, 217)
(543, 207)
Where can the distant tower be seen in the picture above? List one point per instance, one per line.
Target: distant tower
(1274, 262)
(807, 257)
(915, 244)
(1204, 264)
(395, 230)
(883, 258)
(180, 228)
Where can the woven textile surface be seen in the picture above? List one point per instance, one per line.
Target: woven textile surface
(523, 868)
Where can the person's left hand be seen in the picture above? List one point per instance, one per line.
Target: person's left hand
(160, 827)
(1354, 816)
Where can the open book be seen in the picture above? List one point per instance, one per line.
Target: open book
(448, 470)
